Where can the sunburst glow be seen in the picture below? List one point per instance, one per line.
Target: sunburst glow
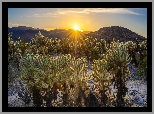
(76, 27)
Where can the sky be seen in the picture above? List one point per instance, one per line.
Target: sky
(87, 19)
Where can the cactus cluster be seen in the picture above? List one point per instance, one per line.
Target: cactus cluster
(45, 74)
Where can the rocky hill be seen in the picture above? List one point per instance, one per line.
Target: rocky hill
(118, 33)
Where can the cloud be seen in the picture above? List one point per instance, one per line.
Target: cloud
(45, 15)
(70, 11)
(99, 10)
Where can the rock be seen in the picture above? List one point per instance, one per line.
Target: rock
(138, 100)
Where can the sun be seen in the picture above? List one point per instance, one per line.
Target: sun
(76, 27)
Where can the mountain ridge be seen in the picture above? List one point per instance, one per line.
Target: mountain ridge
(107, 33)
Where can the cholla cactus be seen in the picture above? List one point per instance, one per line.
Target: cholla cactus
(132, 48)
(15, 50)
(117, 55)
(142, 59)
(118, 59)
(79, 69)
(33, 68)
(11, 47)
(40, 45)
(138, 53)
(143, 65)
(32, 76)
(60, 68)
(130, 44)
(35, 73)
(100, 74)
(143, 44)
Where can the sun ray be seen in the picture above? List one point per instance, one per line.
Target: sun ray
(77, 38)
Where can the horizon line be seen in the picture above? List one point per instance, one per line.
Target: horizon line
(51, 28)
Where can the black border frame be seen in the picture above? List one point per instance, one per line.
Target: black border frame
(6, 5)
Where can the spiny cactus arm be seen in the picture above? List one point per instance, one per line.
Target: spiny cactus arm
(108, 88)
(93, 74)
